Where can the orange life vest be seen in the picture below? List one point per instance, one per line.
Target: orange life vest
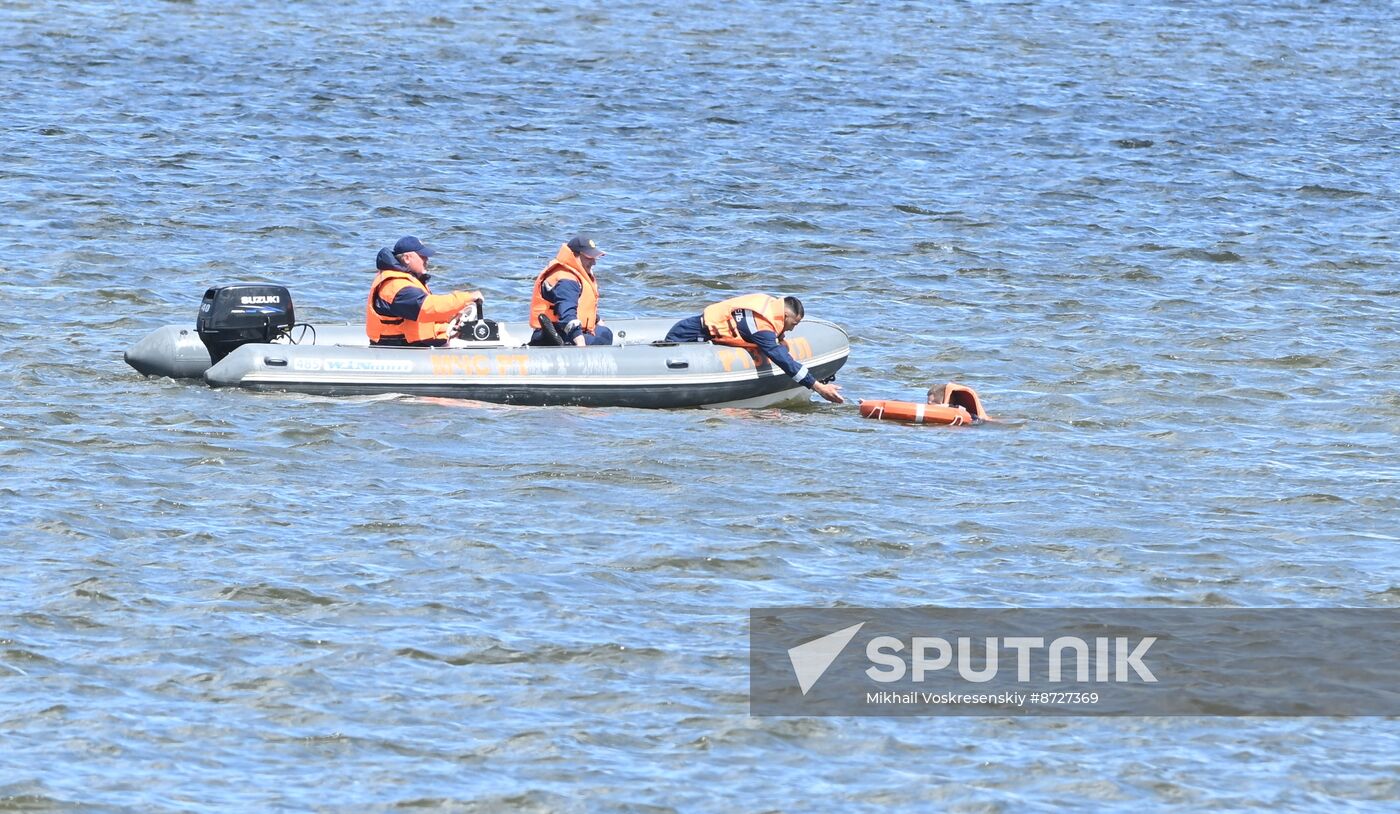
(565, 266)
(960, 395)
(768, 313)
(437, 311)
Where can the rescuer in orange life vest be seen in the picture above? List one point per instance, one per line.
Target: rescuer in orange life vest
(564, 301)
(401, 311)
(758, 322)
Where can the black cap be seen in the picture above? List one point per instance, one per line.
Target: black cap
(586, 246)
(412, 244)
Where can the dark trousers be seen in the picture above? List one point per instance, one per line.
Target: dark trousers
(691, 329)
(602, 335)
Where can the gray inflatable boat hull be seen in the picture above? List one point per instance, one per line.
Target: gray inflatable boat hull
(338, 361)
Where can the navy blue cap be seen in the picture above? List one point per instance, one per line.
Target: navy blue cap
(586, 246)
(412, 244)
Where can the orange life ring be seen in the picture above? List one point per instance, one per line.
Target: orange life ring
(915, 413)
(958, 406)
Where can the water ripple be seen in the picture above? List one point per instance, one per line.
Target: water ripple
(1155, 239)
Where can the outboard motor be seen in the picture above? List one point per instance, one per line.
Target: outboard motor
(235, 315)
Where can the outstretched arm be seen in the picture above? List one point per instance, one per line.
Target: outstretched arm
(413, 304)
(768, 345)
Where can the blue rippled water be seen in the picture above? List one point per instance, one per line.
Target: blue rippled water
(1159, 238)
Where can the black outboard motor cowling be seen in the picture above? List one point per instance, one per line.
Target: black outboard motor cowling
(235, 315)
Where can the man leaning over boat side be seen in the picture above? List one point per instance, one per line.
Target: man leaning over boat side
(564, 300)
(401, 311)
(757, 322)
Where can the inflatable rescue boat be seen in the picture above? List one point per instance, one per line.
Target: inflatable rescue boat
(246, 336)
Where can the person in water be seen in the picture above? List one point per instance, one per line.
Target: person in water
(564, 300)
(757, 322)
(401, 311)
(953, 394)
